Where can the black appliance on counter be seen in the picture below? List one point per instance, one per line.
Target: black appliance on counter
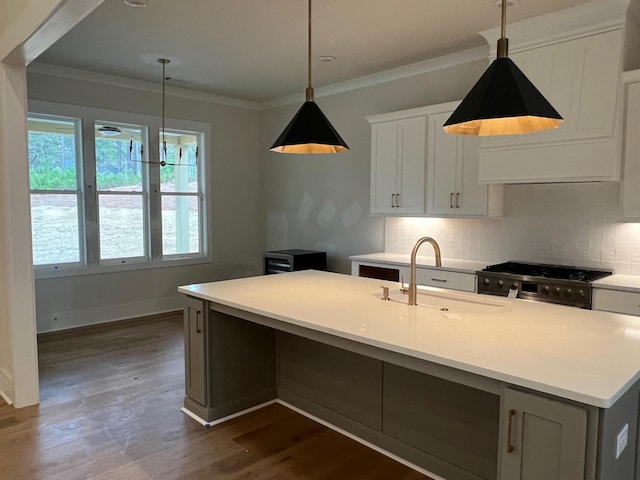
(540, 282)
(281, 261)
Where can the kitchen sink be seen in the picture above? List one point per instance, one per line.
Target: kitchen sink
(460, 303)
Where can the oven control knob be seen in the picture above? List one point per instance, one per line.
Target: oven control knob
(581, 293)
(568, 292)
(514, 285)
(486, 281)
(500, 283)
(546, 290)
(556, 291)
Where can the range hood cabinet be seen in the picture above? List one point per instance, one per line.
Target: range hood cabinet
(575, 58)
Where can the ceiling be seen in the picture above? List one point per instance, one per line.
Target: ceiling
(256, 50)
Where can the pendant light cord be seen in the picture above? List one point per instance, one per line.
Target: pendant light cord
(164, 62)
(309, 91)
(503, 41)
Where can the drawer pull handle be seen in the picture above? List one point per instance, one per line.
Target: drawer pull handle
(441, 280)
(198, 327)
(512, 414)
(451, 201)
(457, 200)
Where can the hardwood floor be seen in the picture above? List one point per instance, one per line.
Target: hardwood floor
(110, 400)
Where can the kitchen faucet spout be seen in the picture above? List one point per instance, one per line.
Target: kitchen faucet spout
(413, 288)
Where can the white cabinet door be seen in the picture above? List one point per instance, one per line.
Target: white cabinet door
(384, 149)
(413, 158)
(630, 192)
(442, 167)
(475, 198)
(435, 277)
(616, 301)
(398, 157)
(452, 175)
(542, 438)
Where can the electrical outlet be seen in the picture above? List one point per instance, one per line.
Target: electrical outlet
(622, 439)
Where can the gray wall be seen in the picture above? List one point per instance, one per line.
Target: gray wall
(322, 201)
(237, 229)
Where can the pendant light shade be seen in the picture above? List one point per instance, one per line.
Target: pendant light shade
(503, 101)
(309, 131)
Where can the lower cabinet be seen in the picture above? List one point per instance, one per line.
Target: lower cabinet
(230, 364)
(426, 276)
(617, 301)
(195, 347)
(542, 438)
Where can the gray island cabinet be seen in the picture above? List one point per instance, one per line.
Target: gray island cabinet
(490, 388)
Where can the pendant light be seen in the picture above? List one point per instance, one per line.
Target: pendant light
(309, 131)
(503, 101)
(162, 160)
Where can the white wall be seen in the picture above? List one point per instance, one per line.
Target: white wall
(322, 201)
(235, 201)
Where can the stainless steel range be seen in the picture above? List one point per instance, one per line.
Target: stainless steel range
(540, 282)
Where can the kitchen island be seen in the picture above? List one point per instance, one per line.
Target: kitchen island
(465, 386)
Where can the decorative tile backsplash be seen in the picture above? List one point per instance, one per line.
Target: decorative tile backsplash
(566, 224)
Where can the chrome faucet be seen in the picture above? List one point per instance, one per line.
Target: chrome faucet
(413, 290)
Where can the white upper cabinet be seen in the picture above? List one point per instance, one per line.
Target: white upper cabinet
(417, 169)
(398, 158)
(452, 173)
(630, 191)
(575, 58)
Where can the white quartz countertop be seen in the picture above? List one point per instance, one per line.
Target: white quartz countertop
(628, 283)
(588, 356)
(451, 264)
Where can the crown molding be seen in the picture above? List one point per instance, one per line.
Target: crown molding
(587, 19)
(419, 68)
(41, 68)
(434, 64)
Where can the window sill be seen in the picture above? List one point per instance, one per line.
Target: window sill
(45, 272)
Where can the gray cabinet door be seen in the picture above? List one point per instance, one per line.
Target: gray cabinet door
(542, 438)
(195, 351)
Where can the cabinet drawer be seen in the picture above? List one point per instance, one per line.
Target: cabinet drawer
(446, 279)
(616, 301)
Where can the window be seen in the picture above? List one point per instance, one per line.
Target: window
(101, 199)
(181, 194)
(55, 191)
(120, 186)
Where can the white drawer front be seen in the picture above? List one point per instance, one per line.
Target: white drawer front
(445, 279)
(616, 301)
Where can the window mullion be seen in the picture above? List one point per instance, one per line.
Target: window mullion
(153, 193)
(90, 195)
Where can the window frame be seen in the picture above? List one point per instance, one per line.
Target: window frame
(89, 227)
(78, 192)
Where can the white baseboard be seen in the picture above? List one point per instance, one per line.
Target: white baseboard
(92, 316)
(228, 417)
(6, 386)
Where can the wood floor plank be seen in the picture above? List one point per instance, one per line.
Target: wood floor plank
(110, 410)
